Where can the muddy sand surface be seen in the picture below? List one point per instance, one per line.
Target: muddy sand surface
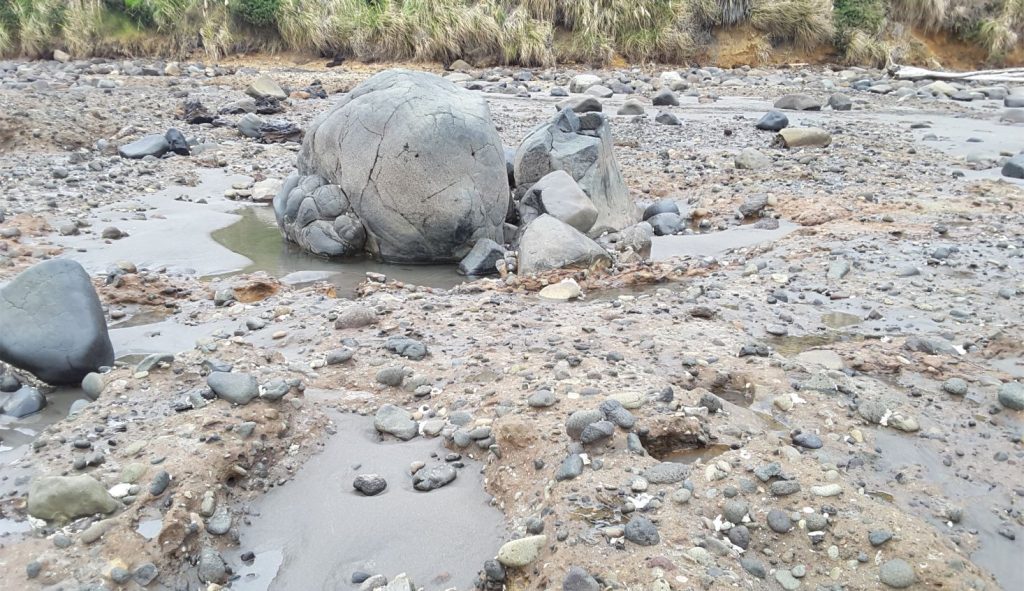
(795, 379)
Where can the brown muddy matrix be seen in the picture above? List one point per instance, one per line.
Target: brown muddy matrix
(286, 327)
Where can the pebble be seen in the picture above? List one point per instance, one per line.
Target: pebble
(779, 521)
(897, 573)
(641, 531)
(370, 484)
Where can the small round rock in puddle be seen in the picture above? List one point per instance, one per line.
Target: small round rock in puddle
(370, 484)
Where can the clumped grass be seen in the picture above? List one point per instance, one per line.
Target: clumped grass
(928, 14)
(863, 49)
(527, 32)
(805, 23)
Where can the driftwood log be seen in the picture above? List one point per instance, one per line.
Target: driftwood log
(1004, 75)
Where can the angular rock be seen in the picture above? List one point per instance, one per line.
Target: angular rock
(752, 159)
(53, 324)
(581, 146)
(151, 145)
(407, 347)
(482, 258)
(666, 224)
(840, 102)
(548, 243)
(581, 82)
(264, 87)
(370, 484)
(559, 196)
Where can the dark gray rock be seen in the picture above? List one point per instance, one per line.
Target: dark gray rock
(151, 145)
(177, 143)
(779, 521)
(427, 479)
(220, 523)
(482, 258)
(754, 566)
(407, 347)
(879, 537)
(579, 420)
(212, 568)
(772, 121)
(807, 440)
(1014, 167)
(571, 467)
(840, 102)
(618, 414)
(578, 579)
(145, 574)
(236, 388)
(665, 98)
(407, 166)
(641, 531)
(53, 324)
(662, 206)
(596, 432)
(666, 224)
(740, 536)
(784, 488)
(370, 484)
(160, 482)
(666, 118)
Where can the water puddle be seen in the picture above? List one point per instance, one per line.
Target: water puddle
(150, 528)
(1013, 366)
(735, 396)
(996, 554)
(256, 236)
(788, 346)
(315, 531)
(693, 455)
(837, 320)
(716, 243)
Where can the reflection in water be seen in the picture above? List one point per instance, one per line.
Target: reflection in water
(257, 237)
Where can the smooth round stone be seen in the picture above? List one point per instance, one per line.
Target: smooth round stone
(897, 573)
(1011, 395)
(779, 521)
(955, 386)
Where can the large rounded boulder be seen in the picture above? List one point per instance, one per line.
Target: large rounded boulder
(52, 323)
(407, 166)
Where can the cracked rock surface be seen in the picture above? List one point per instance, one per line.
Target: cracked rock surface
(407, 167)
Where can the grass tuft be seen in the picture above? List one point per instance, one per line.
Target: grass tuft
(805, 23)
(928, 14)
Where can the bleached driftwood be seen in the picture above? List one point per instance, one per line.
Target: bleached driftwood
(1004, 75)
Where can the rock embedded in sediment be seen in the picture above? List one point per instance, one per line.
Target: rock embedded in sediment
(521, 552)
(236, 388)
(395, 421)
(548, 244)
(62, 498)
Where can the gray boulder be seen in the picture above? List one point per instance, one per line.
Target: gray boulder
(798, 102)
(63, 498)
(264, 87)
(395, 421)
(482, 259)
(237, 388)
(150, 145)
(1014, 167)
(548, 243)
(53, 325)
(752, 159)
(666, 224)
(558, 195)
(840, 102)
(582, 147)
(631, 107)
(665, 98)
(661, 206)
(581, 82)
(407, 166)
(581, 104)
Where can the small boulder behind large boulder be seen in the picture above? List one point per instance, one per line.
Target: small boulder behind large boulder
(581, 146)
(548, 243)
(53, 324)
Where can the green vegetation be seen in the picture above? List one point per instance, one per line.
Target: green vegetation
(524, 32)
